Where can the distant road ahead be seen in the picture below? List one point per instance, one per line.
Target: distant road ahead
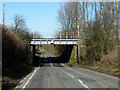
(54, 75)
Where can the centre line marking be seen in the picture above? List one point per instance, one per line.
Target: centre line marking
(83, 84)
(70, 75)
(78, 79)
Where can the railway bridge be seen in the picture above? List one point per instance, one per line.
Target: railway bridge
(61, 38)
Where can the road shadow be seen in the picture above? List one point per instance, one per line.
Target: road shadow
(42, 60)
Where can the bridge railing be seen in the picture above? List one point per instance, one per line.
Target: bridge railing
(67, 35)
(59, 35)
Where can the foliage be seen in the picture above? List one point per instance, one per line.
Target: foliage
(94, 42)
(14, 48)
(16, 58)
(99, 29)
(20, 28)
(72, 61)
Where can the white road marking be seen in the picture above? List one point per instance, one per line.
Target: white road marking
(63, 65)
(16, 87)
(21, 81)
(70, 75)
(78, 79)
(41, 55)
(51, 65)
(83, 84)
(29, 79)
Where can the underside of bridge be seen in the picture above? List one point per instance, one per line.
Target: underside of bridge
(63, 58)
(66, 50)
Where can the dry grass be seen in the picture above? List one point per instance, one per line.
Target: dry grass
(107, 65)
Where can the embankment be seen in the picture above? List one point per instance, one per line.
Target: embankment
(16, 59)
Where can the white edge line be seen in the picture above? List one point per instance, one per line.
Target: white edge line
(16, 87)
(29, 79)
(21, 81)
(63, 65)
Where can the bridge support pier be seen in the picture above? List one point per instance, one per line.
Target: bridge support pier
(74, 52)
(78, 54)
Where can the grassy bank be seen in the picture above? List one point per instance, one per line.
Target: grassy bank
(107, 65)
(72, 61)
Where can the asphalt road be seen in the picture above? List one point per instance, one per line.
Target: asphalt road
(56, 75)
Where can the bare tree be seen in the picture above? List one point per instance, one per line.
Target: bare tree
(19, 22)
(84, 16)
(116, 4)
(113, 21)
(87, 10)
(101, 29)
(20, 28)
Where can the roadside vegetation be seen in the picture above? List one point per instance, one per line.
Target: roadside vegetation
(72, 61)
(98, 22)
(108, 64)
(17, 59)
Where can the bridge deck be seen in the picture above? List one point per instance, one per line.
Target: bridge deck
(56, 41)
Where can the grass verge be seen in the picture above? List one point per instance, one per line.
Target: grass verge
(72, 61)
(107, 65)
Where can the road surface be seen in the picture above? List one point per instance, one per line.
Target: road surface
(56, 75)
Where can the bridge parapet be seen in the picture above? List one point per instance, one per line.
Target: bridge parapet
(55, 41)
(59, 35)
(61, 38)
